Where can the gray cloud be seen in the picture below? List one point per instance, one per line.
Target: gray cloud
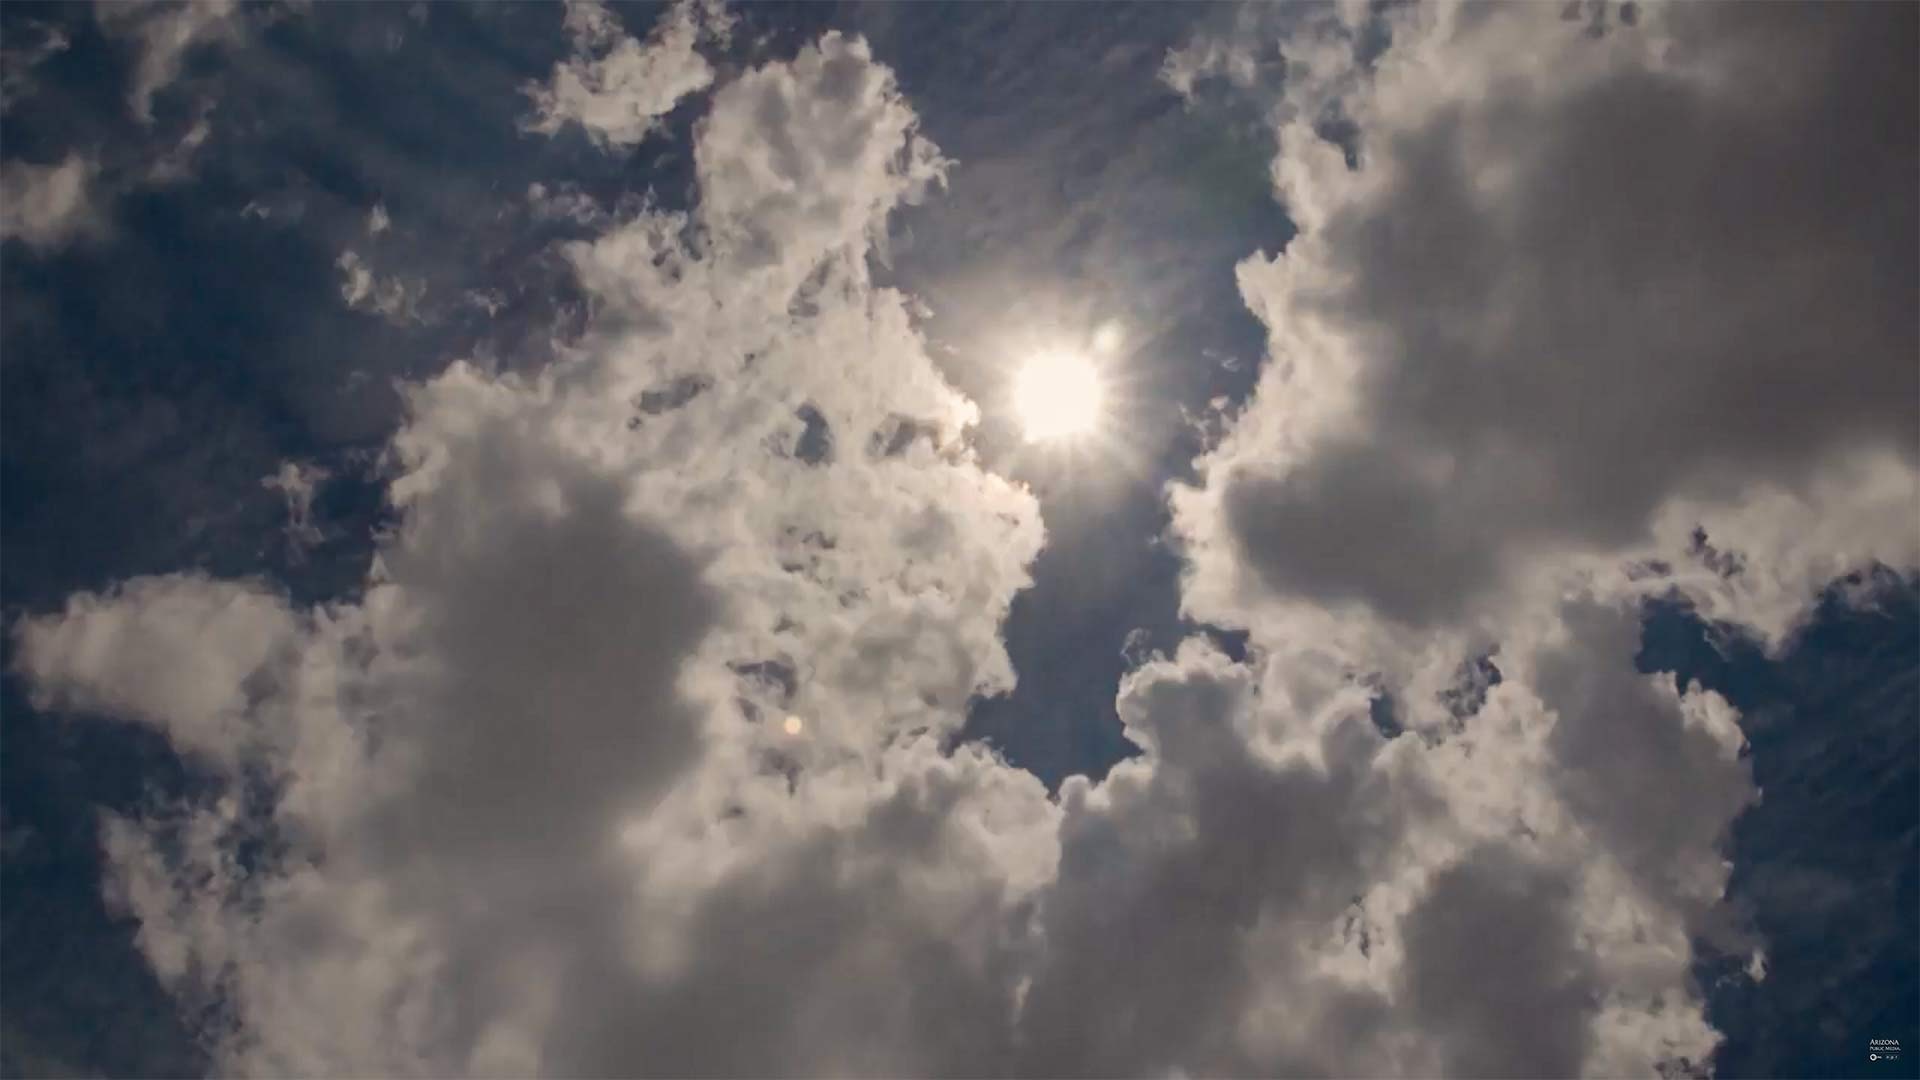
(298, 483)
(631, 754)
(46, 206)
(1616, 734)
(51, 206)
(393, 298)
(1522, 1014)
(1551, 304)
(1170, 867)
(1273, 888)
(527, 771)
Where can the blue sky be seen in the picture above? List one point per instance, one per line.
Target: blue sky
(514, 508)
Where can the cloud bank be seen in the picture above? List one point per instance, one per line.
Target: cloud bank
(542, 761)
(1587, 289)
(634, 753)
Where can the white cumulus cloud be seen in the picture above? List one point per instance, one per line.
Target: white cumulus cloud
(619, 88)
(541, 764)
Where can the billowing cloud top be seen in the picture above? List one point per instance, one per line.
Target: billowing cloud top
(636, 752)
(1576, 284)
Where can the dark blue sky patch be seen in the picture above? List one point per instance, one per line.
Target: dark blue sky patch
(79, 999)
(1082, 188)
(1824, 865)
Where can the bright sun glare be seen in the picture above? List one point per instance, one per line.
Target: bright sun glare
(1057, 394)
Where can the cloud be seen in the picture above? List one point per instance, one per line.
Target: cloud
(177, 163)
(617, 88)
(174, 652)
(298, 483)
(392, 298)
(48, 206)
(539, 764)
(164, 34)
(777, 199)
(541, 761)
(1551, 332)
(1584, 275)
(1174, 867)
(1275, 888)
(1531, 1016)
(52, 206)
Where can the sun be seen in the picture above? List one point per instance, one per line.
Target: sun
(1058, 394)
